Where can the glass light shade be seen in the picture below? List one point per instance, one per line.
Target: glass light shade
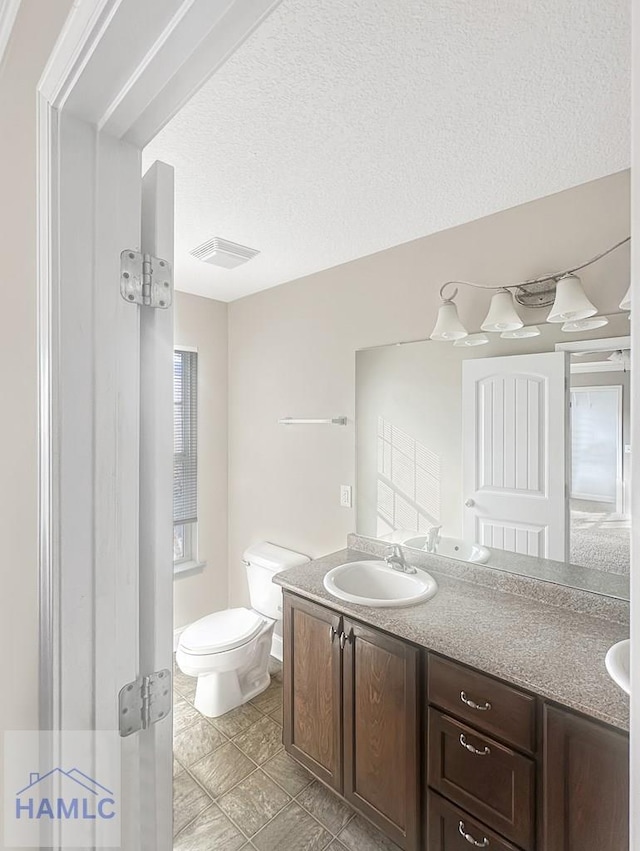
(588, 324)
(448, 325)
(472, 340)
(625, 304)
(502, 314)
(521, 333)
(571, 301)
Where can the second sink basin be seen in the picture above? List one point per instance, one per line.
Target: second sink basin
(374, 583)
(618, 664)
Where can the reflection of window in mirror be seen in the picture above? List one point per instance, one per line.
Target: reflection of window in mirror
(600, 459)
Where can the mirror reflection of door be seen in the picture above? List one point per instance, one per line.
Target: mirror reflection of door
(515, 472)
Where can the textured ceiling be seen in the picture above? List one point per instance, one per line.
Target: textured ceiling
(343, 127)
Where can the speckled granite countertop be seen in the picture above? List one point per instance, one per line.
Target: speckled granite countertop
(549, 650)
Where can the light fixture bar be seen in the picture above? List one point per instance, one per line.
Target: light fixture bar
(539, 280)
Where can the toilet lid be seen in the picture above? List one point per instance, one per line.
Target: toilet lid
(221, 631)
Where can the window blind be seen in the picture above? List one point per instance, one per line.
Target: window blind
(185, 437)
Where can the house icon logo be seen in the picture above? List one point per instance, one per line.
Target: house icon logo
(61, 795)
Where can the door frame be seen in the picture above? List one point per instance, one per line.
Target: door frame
(119, 72)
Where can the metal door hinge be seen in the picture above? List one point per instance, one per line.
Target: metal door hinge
(144, 702)
(145, 279)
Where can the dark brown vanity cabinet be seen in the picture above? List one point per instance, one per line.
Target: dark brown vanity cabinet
(313, 688)
(586, 785)
(448, 761)
(351, 714)
(482, 742)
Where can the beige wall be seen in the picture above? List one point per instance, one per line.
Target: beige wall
(291, 352)
(37, 26)
(202, 323)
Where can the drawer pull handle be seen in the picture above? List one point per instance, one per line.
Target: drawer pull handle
(465, 744)
(462, 830)
(484, 707)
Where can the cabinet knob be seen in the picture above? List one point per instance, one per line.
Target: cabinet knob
(462, 830)
(332, 632)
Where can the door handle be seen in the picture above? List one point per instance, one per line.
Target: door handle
(469, 502)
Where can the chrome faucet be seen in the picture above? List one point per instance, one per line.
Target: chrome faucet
(433, 539)
(396, 560)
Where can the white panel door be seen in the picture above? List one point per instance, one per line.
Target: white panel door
(515, 453)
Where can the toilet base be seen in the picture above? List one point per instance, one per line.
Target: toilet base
(217, 694)
(221, 691)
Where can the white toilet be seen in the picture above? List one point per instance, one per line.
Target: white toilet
(229, 651)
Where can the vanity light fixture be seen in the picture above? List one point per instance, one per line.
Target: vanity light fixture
(625, 304)
(448, 325)
(502, 314)
(571, 302)
(562, 291)
(521, 333)
(472, 340)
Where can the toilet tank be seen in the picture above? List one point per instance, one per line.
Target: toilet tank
(262, 561)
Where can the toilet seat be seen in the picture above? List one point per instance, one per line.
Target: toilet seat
(221, 631)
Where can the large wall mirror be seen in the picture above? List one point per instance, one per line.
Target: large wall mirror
(514, 454)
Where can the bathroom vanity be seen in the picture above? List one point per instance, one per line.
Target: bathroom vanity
(482, 718)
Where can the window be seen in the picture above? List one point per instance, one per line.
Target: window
(185, 457)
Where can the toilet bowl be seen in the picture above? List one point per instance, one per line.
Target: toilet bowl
(229, 651)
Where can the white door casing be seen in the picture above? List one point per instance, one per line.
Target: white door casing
(516, 453)
(120, 70)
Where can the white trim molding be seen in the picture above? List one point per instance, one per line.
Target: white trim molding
(8, 14)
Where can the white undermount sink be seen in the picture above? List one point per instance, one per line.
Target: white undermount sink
(452, 548)
(618, 664)
(374, 583)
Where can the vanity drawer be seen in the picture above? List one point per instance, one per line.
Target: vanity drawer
(488, 704)
(487, 779)
(451, 829)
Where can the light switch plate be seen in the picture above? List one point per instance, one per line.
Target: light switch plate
(345, 496)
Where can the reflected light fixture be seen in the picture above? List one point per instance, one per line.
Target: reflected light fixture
(589, 324)
(571, 302)
(502, 314)
(448, 325)
(521, 333)
(571, 306)
(472, 340)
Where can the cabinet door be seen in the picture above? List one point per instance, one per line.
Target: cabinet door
(381, 739)
(586, 785)
(312, 688)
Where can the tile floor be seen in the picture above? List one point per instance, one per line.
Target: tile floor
(234, 787)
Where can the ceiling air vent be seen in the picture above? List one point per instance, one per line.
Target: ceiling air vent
(221, 252)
